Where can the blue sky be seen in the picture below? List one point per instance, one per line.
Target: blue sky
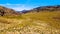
(19, 5)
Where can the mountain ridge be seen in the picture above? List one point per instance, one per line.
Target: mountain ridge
(43, 8)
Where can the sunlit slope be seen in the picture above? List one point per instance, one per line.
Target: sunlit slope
(53, 18)
(31, 23)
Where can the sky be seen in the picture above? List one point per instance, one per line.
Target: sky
(20, 5)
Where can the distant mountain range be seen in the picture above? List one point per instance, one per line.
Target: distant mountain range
(8, 11)
(43, 8)
(48, 8)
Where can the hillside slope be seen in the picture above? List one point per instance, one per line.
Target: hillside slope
(7, 11)
(31, 23)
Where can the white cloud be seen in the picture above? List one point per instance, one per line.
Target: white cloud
(17, 7)
(21, 8)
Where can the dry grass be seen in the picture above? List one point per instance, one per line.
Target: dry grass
(31, 23)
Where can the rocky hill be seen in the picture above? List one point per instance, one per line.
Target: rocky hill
(7, 11)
